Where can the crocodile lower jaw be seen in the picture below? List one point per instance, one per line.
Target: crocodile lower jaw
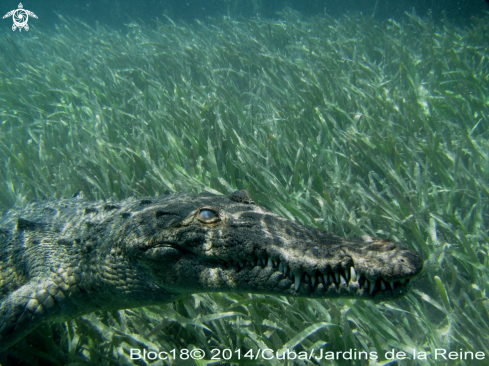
(340, 283)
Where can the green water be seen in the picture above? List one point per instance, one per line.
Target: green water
(348, 125)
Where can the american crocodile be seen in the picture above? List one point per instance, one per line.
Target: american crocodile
(60, 259)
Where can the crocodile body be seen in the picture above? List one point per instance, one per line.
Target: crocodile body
(60, 259)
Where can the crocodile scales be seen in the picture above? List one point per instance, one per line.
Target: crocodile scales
(60, 259)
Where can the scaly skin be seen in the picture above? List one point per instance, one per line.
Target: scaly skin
(61, 259)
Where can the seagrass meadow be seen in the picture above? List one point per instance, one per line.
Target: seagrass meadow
(349, 125)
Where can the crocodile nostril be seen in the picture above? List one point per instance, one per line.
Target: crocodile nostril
(383, 246)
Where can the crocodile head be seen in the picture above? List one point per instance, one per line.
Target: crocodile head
(201, 243)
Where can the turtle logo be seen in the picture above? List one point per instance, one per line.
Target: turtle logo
(20, 17)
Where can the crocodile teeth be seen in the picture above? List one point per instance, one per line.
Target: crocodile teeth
(285, 269)
(281, 267)
(241, 263)
(337, 277)
(274, 263)
(270, 263)
(306, 278)
(297, 282)
(353, 274)
(325, 278)
(320, 279)
(330, 279)
(313, 280)
(372, 287)
(382, 285)
(343, 281)
(392, 285)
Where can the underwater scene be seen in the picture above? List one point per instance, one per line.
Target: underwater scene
(168, 188)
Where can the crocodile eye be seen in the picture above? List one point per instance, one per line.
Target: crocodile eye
(207, 215)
